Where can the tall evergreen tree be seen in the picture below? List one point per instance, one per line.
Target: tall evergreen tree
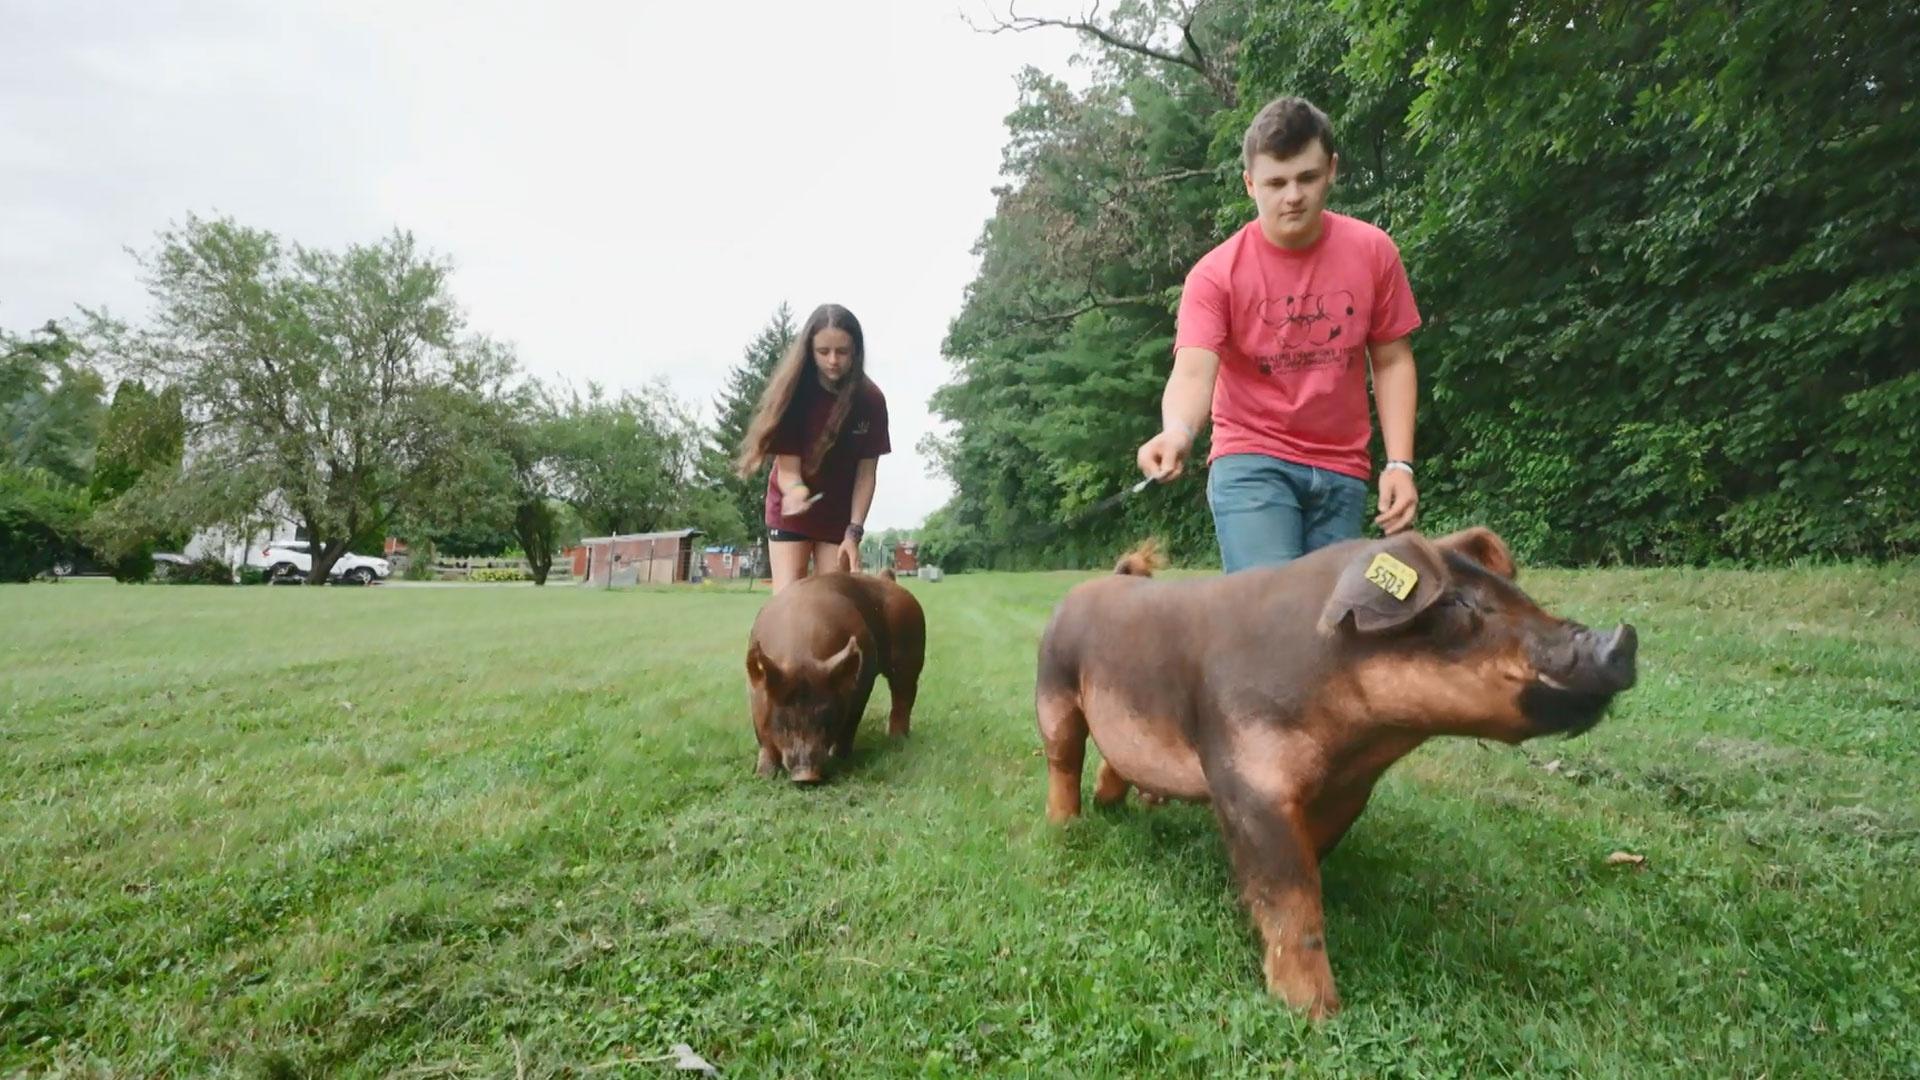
(144, 433)
(733, 411)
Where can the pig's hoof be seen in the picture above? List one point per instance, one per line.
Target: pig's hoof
(1316, 1009)
(1311, 998)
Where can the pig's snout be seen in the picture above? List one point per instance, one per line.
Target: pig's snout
(1579, 679)
(1591, 662)
(1615, 655)
(803, 772)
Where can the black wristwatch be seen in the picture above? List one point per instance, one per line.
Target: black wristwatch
(855, 530)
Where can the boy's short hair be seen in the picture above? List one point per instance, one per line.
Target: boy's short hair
(1284, 128)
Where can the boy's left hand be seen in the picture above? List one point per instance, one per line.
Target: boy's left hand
(1399, 501)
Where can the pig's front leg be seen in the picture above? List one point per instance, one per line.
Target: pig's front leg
(856, 706)
(1279, 875)
(762, 709)
(1333, 813)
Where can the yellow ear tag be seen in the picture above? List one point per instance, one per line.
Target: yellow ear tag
(1394, 577)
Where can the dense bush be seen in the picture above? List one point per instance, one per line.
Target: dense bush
(208, 570)
(40, 520)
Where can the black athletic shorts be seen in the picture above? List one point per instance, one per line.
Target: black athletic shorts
(781, 536)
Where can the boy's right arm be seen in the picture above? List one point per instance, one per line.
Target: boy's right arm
(1184, 406)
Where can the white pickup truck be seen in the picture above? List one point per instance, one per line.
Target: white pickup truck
(292, 560)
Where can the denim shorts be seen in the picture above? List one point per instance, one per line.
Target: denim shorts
(1267, 511)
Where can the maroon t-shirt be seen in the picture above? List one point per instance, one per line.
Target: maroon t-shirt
(864, 435)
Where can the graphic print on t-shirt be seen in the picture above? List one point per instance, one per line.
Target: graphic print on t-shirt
(1307, 330)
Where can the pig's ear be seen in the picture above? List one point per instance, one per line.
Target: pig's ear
(1386, 586)
(1483, 546)
(844, 668)
(761, 671)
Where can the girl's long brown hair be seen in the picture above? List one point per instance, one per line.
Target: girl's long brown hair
(782, 385)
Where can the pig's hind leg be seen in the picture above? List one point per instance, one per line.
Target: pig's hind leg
(1063, 736)
(1109, 787)
(903, 684)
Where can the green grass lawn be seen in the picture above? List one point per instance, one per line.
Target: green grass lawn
(515, 832)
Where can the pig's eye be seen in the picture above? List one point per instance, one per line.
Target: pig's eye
(1458, 613)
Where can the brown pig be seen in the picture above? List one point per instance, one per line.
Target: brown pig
(816, 648)
(1280, 695)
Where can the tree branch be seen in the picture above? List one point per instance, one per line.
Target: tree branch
(1192, 58)
(1193, 44)
(1093, 303)
(1176, 175)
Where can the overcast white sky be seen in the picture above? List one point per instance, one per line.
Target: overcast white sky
(625, 189)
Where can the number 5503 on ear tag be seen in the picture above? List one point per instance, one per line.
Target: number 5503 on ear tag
(1394, 577)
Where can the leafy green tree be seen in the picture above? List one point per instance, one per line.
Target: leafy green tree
(335, 384)
(51, 406)
(1667, 288)
(1064, 340)
(1673, 287)
(628, 462)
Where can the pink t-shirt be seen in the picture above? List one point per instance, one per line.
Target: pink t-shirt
(1291, 329)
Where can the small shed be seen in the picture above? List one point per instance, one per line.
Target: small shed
(728, 561)
(906, 557)
(636, 558)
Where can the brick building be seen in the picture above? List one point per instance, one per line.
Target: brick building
(636, 558)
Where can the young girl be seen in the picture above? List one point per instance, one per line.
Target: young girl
(824, 423)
